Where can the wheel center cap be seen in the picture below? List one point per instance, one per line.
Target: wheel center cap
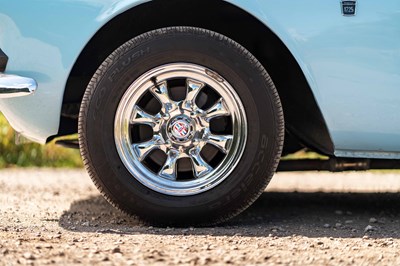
(180, 128)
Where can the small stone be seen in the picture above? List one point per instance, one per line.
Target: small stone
(338, 225)
(29, 256)
(373, 220)
(85, 224)
(327, 225)
(120, 221)
(119, 241)
(369, 228)
(58, 236)
(320, 243)
(116, 250)
(348, 222)
(339, 212)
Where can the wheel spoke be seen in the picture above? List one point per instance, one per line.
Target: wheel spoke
(200, 167)
(139, 116)
(143, 149)
(218, 109)
(222, 142)
(160, 91)
(192, 90)
(169, 168)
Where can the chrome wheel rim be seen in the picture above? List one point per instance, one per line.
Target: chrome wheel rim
(205, 130)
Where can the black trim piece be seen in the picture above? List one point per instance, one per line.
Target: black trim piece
(3, 61)
(68, 143)
(337, 164)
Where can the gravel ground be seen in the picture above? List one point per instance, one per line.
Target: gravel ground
(58, 217)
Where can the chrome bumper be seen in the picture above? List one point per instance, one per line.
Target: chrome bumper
(16, 86)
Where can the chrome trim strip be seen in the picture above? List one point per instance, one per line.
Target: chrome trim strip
(16, 86)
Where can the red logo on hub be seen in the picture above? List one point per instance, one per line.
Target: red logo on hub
(180, 129)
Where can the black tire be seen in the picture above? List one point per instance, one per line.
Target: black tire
(265, 131)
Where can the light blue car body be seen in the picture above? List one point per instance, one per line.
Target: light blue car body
(352, 63)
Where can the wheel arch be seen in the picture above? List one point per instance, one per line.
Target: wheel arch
(303, 118)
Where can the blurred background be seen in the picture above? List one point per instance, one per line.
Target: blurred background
(32, 154)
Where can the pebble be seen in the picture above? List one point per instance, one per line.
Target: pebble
(29, 256)
(116, 250)
(108, 231)
(327, 225)
(373, 220)
(4, 251)
(369, 228)
(339, 212)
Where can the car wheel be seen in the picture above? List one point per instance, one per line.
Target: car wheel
(181, 126)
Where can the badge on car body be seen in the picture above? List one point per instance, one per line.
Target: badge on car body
(349, 7)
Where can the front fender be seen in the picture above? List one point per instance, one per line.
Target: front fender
(43, 42)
